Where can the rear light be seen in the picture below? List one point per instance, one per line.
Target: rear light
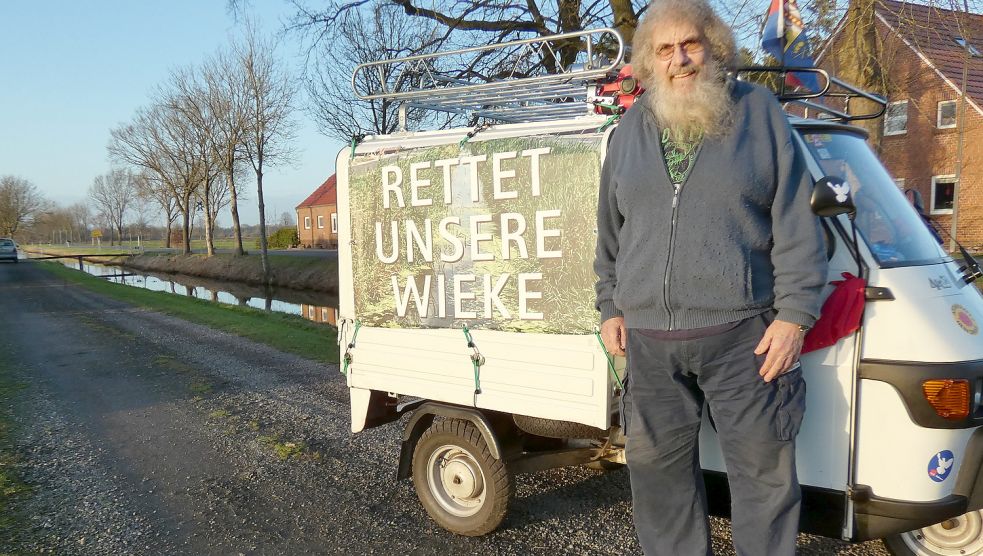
(949, 397)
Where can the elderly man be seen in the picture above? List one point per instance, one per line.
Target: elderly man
(710, 265)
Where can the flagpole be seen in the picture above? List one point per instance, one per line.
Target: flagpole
(961, 124)
(781, 27)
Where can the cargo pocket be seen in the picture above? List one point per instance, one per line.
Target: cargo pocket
(792, 404)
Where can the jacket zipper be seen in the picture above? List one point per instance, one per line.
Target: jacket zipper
(677, 187)
(672, 233)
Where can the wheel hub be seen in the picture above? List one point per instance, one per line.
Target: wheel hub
(959, 536)
(456, 481)
(460, 478)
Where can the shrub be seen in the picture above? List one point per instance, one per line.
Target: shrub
(282, 239)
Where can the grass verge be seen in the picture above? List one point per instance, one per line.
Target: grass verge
(12, 488)
(287, 333)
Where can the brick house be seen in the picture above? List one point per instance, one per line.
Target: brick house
(317, 217)
(923, 50)
(317, 313)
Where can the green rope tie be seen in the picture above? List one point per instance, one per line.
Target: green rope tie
(612, 107)
(348, 355)
(610, 360)
(356, 139)
(476, 361)
(613, 118)
(472, 133)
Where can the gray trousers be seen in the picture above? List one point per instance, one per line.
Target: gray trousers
(668, 384)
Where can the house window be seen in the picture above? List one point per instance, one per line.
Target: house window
(307, 222)
(320, 222)
(896, 118)
(900, 183)
(947, 115)
(970, 49)
(324, 314)
(334, 222)
(310, 312)
(943, 194)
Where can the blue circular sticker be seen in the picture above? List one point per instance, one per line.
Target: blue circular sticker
(940, 465)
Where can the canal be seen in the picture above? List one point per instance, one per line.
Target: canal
(314, 306)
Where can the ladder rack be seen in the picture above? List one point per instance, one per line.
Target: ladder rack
(432, 82)
(420, 82)
(832, 88)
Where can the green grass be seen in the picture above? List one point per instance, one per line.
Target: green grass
(285, 449)
(288, 333)
(12, 487)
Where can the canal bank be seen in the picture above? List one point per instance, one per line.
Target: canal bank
(303, 270)
(294, 272)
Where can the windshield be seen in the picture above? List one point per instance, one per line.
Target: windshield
(6, 243)
(895, 233)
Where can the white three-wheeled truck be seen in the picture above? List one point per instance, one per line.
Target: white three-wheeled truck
(466, 299)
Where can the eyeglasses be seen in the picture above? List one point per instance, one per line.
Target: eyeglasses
(689, 47)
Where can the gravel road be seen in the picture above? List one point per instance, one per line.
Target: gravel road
(144, 434)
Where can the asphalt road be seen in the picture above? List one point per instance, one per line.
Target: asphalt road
(145, 434)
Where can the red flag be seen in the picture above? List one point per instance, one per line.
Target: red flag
(840, 315)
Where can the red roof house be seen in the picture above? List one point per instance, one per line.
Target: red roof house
(317, 217)
(926, 144)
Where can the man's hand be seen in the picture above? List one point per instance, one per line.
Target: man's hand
(783, 343)
(613, 335)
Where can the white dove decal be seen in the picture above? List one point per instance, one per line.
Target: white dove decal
(944, 464)
(841, 190)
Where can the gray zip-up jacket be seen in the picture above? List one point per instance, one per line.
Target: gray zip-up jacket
(736, 239)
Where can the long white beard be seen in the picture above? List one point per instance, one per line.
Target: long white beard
(703, 109)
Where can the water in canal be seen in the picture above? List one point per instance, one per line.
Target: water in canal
(314, 306)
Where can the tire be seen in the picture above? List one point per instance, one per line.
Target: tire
(551, 428)
(959, 536)
(463, 488)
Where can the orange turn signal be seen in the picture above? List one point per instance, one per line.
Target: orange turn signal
(949, 397)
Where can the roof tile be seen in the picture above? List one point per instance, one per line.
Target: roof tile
(325, 194)
(933, 30)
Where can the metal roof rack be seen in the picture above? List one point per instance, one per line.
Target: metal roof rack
(424, 81)
(832, 88)
(421, 82)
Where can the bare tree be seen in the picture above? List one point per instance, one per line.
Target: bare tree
(476, 22)
(213, 197)
(161, 140)
(189, 97)
(286, 220)
(20, 203)
(112, 194)
(153, 189)
(341, 34)
(359, 38)
(54, 224)
(143, 209)
(216, 103)
(270, 130)
(80, 216)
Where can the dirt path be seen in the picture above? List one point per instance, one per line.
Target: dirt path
(143, 434)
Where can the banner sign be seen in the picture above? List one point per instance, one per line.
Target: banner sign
(494, 234)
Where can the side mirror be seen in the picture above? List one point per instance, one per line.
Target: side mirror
(832, 196)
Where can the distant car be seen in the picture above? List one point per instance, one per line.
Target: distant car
(8, 249)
